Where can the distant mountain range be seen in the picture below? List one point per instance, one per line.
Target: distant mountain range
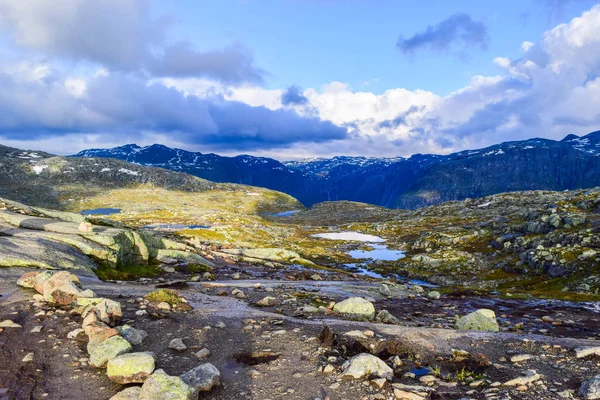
(420, 180)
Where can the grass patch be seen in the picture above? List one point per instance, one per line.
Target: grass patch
(121, 273)
(164, 295)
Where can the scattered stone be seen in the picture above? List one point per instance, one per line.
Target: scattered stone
(27, 279)
(28, 357)
(480, 320)
(107, 350)
(163, 305)
(520, 358)
(73, 334)
(202, 378)
(131, 393)
(203, 354)
(356, 306)
(132, 335)
(267, 302)
(529, 376)
(239, 294)
(387, 318)
(7, 323)
(434, 295)
(98, 332)
(160, 386)
(130, 368)
(365, 365)
(177, 344)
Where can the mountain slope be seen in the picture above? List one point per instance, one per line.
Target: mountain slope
(411, 182)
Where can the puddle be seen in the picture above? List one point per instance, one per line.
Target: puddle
(355, 269)
(350, 236)
(379, 252)
(101, 211)
(174, 227)
(285, 213)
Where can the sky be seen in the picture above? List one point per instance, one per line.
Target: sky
(295, 79)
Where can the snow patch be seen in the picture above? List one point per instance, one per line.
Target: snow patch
(128, 171)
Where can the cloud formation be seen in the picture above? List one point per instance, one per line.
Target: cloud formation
(120, 104)
(293, 96)
(458, 29)
(119, 35)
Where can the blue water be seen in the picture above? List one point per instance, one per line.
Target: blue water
(285, 213)
(378, 252)
(175, 227)
(101, 211)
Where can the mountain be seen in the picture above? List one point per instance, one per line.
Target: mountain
(422, 179)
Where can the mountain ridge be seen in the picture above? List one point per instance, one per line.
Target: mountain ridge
(395, 182)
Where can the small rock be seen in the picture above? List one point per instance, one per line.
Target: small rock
(7, 323)
(203, 354)
(107, 350)
(267, 302)
(434, 295)
(529, 376)
(28, 357)
(520, 358)
(177, 344)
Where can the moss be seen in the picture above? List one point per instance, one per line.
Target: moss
(204, 235)
(123, 273)
(164, 295)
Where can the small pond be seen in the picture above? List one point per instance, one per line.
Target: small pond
(174, 227)
(285, 213)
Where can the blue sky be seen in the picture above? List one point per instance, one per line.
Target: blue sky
(313, 42)
(297, 78)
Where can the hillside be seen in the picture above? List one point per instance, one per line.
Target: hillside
(410, 183)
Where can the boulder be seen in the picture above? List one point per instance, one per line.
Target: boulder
(590, 389)
(27, 279)
(62, 287)
(202, 378)
(387, 318)
(160, 386)
(107, 350)
(481, 320)
(177, 344)
(98, 332)
(107, 311)
(366, 365)
(132, 335)
(130, 368)
(356, 306)
(39, 279)
(131, 393)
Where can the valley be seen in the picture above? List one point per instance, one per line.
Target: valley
(282, 299)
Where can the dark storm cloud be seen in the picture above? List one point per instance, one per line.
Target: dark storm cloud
(122, 103)
(293, 96)
(459, 29)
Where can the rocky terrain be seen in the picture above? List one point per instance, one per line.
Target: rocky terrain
(421, 180)
(152, 284)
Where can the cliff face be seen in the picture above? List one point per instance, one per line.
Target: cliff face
(411, 182)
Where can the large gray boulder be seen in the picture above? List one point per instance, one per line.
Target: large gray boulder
(355, 306)
(202, 378)
(365, 366)
(480, 320)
